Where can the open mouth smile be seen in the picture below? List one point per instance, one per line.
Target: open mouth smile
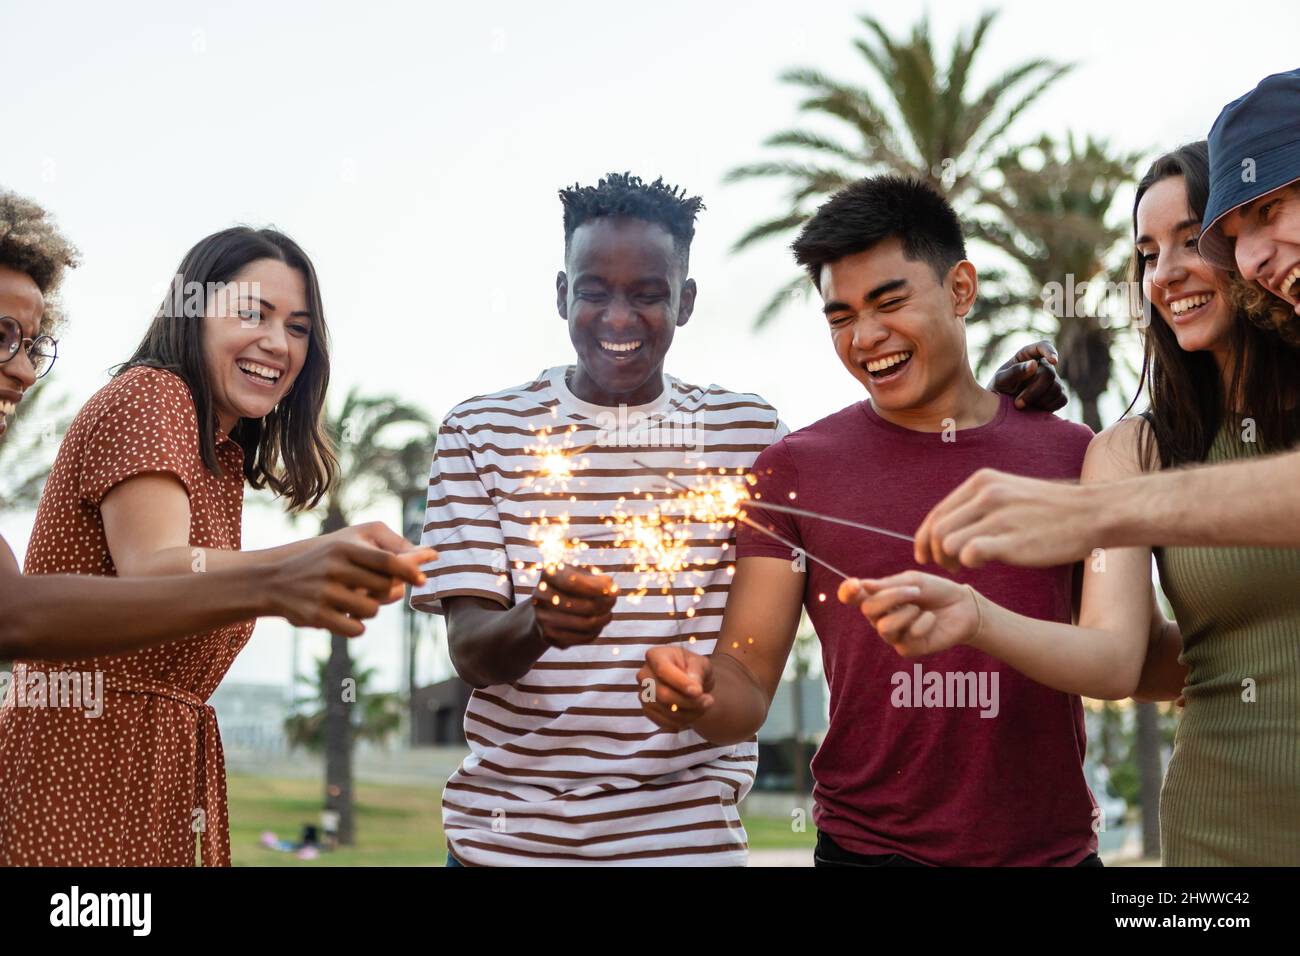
(1188, 307)
(888, 367)
(263, 376)
(621, 351)
(1290, 285)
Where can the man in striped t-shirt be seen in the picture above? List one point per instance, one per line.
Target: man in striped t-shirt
(564, 767)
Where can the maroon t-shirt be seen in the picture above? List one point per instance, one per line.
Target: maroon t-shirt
(955, 758)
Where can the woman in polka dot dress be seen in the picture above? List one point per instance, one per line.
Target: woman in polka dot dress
(139, 489)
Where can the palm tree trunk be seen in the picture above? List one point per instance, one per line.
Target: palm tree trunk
(338, 719)
(1091, 413)
(338, 739)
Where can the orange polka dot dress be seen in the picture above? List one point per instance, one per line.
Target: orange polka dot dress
(138, 784)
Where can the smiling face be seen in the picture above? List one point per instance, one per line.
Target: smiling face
(255, 343)
(20, 299)
(624, 293)
(898, 329)
(1187, 292)
(1266, 241)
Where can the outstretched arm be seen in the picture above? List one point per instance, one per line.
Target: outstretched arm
(68, 616)
(994, 516)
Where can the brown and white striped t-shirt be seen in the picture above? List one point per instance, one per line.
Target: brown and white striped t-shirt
(564, 768)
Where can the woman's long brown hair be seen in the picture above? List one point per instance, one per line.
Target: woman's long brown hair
(288, 451)
(1185, 389)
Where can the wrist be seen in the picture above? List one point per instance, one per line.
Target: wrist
(981, 612)
(264, 587)
(534, 635)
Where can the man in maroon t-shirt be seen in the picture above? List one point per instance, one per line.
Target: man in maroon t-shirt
(959, 760)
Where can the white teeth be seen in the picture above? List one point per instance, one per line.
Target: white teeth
(1289, 283)
(1179, 306)
(620, 346)
(260, 370)
(879, 365)
(7, 408)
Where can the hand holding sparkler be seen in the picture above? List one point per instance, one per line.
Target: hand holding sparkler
(679, 688)
(572, 606)
(917, 613)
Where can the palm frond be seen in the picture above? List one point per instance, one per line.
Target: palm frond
(793, 290)
(771, 227)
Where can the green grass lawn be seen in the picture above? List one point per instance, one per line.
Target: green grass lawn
(396, 825)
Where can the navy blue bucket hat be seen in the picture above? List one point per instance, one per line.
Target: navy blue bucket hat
(1254, 149)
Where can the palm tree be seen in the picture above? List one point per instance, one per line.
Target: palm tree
(1051, 215)
(377, 439)
(380, 713)
(928, 123)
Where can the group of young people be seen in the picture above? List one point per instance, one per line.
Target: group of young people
(608, 727)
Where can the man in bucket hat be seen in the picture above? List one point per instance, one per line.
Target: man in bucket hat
(1253, 214)
(1254, 225)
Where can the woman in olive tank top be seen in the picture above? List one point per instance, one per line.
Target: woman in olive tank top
(1232, 788)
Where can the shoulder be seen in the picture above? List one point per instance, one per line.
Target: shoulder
(828, 432)
(143, 397)
(824, 436)
(1049, 424)
(146, 380)
(503, 403)
(1063, 439)
(151, 390)
(1117, 451)
(716, 395)
(748, 407)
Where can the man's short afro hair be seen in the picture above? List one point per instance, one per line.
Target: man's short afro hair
(622, 194)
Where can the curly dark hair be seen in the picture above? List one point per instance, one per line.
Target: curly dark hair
(30, 243)
(622, 194)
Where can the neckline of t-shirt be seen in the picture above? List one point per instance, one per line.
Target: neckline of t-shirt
(556, 378)
(999, 417)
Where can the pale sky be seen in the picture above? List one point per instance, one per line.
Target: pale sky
(415, 150)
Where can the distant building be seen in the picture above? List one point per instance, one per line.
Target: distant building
(777, 750)
(251, 716)
(438, 714)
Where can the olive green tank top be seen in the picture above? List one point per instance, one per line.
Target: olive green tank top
(1231, 794)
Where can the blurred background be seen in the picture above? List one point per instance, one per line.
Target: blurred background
(415, 152)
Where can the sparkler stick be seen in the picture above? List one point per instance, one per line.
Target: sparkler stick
(790, 544)
(760, 503)
(747, 502)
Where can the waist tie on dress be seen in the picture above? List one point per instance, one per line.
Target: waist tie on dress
(210, 771)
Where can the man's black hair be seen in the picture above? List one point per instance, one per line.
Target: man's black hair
(622, 194)
(872, 210)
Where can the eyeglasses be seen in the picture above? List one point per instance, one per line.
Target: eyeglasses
(41, 351)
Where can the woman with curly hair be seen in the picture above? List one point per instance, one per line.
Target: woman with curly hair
(1223, 387)
(140, 491)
